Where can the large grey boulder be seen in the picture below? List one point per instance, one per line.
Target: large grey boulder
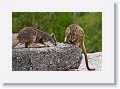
(57, 58)
(61, 57)
(54, 58)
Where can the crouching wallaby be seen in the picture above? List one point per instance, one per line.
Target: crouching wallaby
(30, 35)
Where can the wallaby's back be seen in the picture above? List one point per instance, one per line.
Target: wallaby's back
(29, 35)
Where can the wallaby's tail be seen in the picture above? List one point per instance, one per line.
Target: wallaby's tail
(86, 58)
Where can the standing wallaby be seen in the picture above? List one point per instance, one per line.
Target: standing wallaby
(75, 35)
(30, 35)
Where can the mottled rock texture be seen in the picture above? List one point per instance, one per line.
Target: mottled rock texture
(59, 58)
(95, 61)
(54, 58)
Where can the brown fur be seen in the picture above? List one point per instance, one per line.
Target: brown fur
(29, 35)
(75, 35)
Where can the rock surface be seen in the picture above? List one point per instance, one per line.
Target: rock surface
(61, 57)
(54, 58)
(95, 61)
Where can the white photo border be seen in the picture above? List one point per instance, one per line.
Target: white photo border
(106, 75)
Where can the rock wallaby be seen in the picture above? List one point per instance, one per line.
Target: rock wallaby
(75, 35)
(30, 35)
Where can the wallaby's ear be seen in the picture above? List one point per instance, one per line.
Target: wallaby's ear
(53, 36)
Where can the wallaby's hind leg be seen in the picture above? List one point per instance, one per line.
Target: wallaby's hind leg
(31, 43)
(16, 43)
(35, 45)
(45, 44)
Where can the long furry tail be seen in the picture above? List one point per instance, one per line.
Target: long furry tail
(86, 58)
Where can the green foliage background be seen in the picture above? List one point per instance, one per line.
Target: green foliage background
(57, 22)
